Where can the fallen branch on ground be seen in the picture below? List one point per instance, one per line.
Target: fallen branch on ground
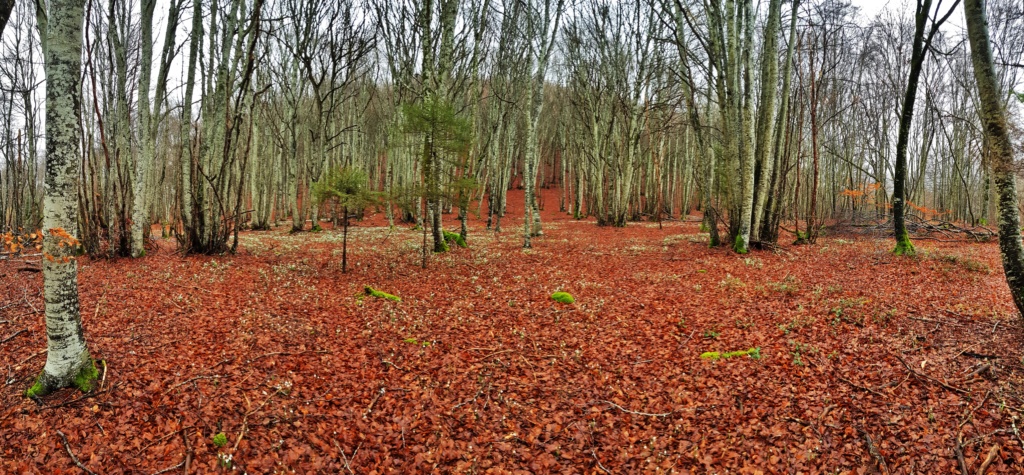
(19, 332)
(873, 450)
(921, 376)
(74, 459)
(627, 411)
(287, 353)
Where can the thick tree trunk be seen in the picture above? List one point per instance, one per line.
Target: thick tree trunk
(67, 360)
(999, 148)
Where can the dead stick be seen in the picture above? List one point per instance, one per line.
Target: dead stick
(168, 469)
(19, 332)
(874, 452)
(960, 456)
(862, 388)
(176, 386)
(245, 418)
(627, 411)
(286, 353)
(188, 450)
(599, 465)
(925, 376)
(67, 447)
(374, 401)
(26, 360)
(992, 454)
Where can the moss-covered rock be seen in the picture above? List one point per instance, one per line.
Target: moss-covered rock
(562, 297)
(382, 295)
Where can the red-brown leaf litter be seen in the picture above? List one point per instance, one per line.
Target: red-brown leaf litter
(863, 363)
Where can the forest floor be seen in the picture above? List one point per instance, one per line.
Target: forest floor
(865, 362)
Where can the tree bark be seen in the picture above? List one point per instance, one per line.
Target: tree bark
(766, 111)
(67, 360)
(140, 212)
(6, 6)
(999, 148)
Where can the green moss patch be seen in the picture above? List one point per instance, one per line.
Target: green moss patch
(562, 297)
(454, 238)
(381, 295)
(35, 391)
(86, 377)
(754, 353)
(738, 246)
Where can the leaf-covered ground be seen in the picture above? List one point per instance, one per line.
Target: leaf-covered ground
(868, 363)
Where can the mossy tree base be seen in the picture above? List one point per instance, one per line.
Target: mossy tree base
(84, 381)
(904, 247)
(739, 246)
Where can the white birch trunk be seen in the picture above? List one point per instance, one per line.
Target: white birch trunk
(67, 360)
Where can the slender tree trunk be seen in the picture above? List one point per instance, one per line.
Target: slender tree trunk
(140, 217)
(344, 241)
(770, 224)
(741, 243)
(922, 42)
(766, 110)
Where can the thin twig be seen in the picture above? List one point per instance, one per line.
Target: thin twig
(627, 411)
(176, 386)
(862, 388)
(188, 450)
(874, 452)
(19, 332)
(925, 376)
(602, 467)
(85, 396)
(959, 452)
(74, 459)
(26, 360)
(286, 353)
(245, 418)
(374, 401)
(468, 401)
(168, 469)
(33, 307)
(345, 458)
(493, 354)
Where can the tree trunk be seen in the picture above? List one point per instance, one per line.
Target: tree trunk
(67, 360)
(899, 199)
(766, 110)
(140, 215)
(999, 148)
